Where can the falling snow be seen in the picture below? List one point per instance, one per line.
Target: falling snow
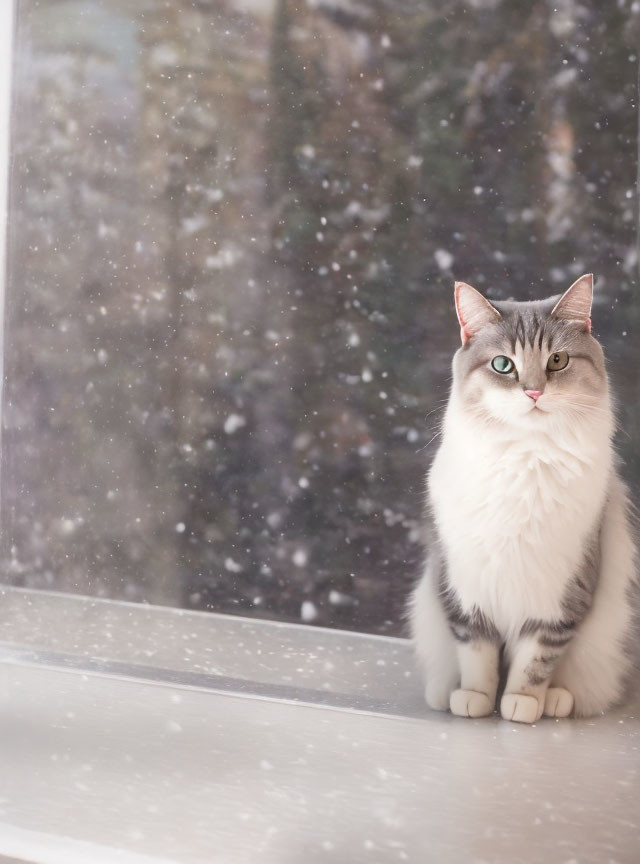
(233, 423)
(230, 322)
(308, 611)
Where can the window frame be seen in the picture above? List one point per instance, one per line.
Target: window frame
(7, 25)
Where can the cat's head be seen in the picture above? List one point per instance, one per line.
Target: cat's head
(530, 364)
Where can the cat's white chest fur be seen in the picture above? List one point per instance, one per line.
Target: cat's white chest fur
(514, 514)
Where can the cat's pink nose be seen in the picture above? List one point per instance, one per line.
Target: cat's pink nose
(534, 394)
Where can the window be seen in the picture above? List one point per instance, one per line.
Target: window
(233, 231)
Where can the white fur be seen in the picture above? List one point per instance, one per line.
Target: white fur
(513, 510)
(434, 643)
(514, 503)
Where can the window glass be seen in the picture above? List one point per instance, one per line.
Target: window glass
(233, 232)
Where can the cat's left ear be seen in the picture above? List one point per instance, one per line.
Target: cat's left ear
(575, 303)
(474, 311)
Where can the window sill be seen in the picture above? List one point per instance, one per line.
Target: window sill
(209, 651)
(106, 767)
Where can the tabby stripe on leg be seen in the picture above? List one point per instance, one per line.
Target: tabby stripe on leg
(541, 667)
(465, 626)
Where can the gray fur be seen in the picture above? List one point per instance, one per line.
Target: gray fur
(468, 627)
(542, 665)
(579, 594)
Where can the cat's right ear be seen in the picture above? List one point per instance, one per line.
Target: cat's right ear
(474, 311)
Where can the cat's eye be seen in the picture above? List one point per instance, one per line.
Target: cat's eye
(502, 364)
(557, 361)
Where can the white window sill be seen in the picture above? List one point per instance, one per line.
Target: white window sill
(101, 766)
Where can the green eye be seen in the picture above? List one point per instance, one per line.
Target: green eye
(502, 364)
(557, 361)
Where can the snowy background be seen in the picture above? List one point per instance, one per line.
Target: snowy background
(234, 228)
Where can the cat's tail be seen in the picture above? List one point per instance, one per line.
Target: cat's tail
(433, 641)
(599, 661)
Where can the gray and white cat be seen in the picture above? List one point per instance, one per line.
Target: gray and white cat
(532, 562)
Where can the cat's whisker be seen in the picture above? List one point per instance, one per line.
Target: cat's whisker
(589, 410)
(586, 411)
(442, 404)
(439, 432)
(562, 396)
(590, 405)
(577, 401)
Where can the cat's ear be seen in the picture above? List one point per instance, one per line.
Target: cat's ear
(575, 303)
(474, 311)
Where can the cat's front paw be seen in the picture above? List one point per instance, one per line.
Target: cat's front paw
(558, 702)
(521, 707)
(470, 703)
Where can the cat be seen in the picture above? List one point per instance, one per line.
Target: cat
(532, 563)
